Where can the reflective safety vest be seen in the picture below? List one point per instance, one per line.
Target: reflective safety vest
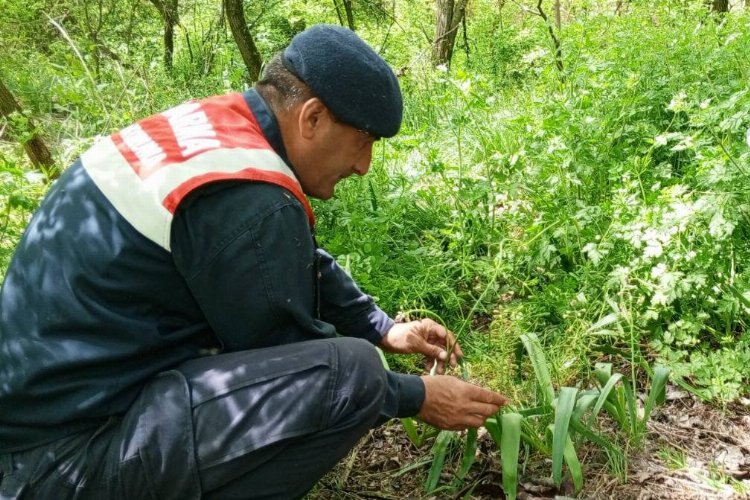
(148, 168)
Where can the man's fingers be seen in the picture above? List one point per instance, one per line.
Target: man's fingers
(486, 396)
(483, 410)
(432, 351)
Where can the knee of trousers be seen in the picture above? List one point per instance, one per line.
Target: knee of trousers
(361, 381)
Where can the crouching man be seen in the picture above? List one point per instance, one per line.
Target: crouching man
(170, 328)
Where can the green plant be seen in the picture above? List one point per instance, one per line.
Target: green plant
(673, 458)
(620, 401)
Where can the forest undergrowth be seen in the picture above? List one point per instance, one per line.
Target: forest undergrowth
(582, 230)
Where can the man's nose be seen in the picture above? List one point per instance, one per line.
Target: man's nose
(362, 166)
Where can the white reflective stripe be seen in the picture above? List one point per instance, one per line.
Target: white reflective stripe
(141, 202)
(167, 179)
(124, 189)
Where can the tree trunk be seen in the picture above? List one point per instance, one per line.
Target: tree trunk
(553, 36)
(35, 147)
(720, 5)
(168, 9)
(349, 13)
(558, 20)
(235, 15)
(448, 17)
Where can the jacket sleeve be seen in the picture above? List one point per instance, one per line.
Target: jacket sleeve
(343, 304)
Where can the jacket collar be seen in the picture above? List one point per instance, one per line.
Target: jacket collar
(268, 124)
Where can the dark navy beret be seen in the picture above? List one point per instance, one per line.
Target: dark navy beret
(351, 79)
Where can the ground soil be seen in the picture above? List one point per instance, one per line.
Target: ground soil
(693, 451)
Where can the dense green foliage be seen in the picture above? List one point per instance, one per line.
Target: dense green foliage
(618, 192)
(603, 208)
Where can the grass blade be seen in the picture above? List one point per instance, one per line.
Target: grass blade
(539, 363)
(439, 450)
(565, 404)
(740, 296)
(611, 448)
(510, 442)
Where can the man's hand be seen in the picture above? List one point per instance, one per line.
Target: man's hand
(423, 337)
(452, 404)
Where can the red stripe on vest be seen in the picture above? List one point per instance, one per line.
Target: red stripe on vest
(228, 117)
(174, 198)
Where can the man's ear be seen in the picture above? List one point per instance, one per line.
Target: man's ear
(311, 116)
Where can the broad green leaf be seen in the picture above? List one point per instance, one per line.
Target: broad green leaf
(574, 465)
(493, 427)
(539, 362)
(439, 449)
(604, 394)
(618, 413)
(469, 456)
(536, 410)
(510, 443)
(411, 431)
(571, 459)
(583, 403)
(605, 321)
(656, 392)
(603, 371)
(563, 411)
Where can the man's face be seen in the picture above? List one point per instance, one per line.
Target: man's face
(332, 152)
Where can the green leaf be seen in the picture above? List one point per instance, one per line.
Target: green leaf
(539, 362)
(439, 450)
(493, 427)
(603, 371)
(656, 393)
(410, 427)
(510, 443)
(468, 458)
(604, 394)
(605, 321)
(565, 404)
(574, 465)
(611, 448)
(536, 411)
(735, 291)
(583, 403)
(632, 409)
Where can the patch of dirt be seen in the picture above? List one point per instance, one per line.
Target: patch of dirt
(693, 451)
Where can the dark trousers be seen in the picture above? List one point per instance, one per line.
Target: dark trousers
(266, 423)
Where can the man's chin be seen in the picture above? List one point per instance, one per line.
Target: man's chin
(320, 194)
